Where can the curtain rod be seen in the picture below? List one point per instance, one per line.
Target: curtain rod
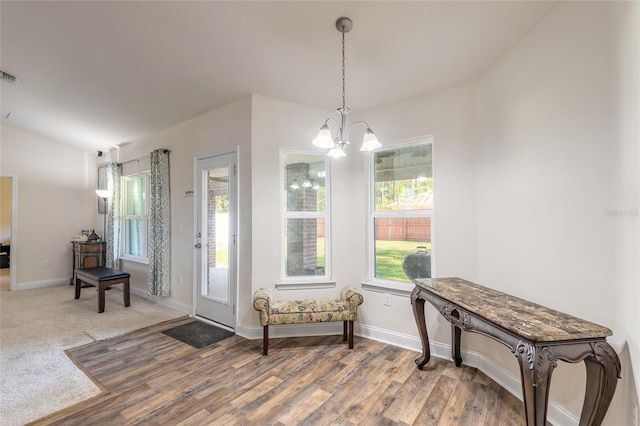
(135, 159)
(142, 158)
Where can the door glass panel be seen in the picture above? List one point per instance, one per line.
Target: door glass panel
(216, 241)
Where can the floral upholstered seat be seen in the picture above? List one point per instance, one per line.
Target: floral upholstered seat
(306, 311)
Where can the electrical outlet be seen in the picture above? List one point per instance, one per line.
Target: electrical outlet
(387, 299)
(634, 414)
(45, 263)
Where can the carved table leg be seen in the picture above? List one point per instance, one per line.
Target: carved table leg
(536, 366)
(455, 345)
(418, 313)
(603, 370)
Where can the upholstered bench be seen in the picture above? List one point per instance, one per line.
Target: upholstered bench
(307, 311)
(103, 277)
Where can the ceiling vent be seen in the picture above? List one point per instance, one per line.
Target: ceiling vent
(10, 78)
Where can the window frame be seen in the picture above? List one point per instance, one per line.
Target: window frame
(373, 283)
(145, 217)
(304, 281)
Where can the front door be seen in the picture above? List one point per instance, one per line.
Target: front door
(216, 239)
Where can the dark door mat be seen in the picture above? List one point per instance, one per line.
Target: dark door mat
(198, 334)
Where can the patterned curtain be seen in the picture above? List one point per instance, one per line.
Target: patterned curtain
(159, 225)
(114, 173)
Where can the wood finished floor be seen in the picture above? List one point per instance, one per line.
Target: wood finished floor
(151, 378)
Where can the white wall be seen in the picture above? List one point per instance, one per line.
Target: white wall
(56, 200)
(547, 125)
(626, 181)
(278, 124)
(223, 128)
(527, 159)
(447, 116)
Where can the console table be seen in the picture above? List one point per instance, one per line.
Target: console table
(538, 336)
(87, 255)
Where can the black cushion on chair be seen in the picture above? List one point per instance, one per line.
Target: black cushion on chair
(102, 273)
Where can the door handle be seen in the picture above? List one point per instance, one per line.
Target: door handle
(198, 246)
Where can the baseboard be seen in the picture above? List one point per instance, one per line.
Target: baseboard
(164, 301)
(556, 414)
(44, 283)
(291, 330)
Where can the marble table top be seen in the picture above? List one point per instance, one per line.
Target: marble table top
(523, 318)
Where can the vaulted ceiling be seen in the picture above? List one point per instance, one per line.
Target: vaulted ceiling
(95, 74)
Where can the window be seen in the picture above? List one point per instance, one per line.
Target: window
(401, 212)
(135, 219)
(305, 224)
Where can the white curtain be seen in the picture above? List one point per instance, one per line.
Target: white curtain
(114, 173)
(159, 283)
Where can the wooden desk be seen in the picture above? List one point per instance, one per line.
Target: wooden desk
(537, 336)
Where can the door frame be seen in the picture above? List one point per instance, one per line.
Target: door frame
(14, 231)
(236, 152)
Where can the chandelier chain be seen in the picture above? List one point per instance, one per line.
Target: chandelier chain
(343, 78)
(325, 139)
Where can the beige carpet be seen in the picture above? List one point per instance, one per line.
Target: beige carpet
(36, 326)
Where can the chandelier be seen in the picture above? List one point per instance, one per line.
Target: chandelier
(324, 139)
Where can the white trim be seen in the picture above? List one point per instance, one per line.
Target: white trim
(291, 330)
(397, 288)
(135, 259)
(302, 284)
(146, 177)
(373, 282)
(234, 186)
(43, 283)
(163, 301)
(321, 281)
(213, 323)
(13, 257)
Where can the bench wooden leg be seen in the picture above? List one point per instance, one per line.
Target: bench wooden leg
(344, 331)
(350, 334)
(126, 295)
(265, 340)
(101, 298)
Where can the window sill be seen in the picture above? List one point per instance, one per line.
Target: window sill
(391, 287)
(134, 259)
(304, 285)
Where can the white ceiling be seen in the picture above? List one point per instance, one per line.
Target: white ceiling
(100, 73)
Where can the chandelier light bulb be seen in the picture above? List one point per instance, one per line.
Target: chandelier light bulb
(324, 139)
(336, 152)
(370, 141)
